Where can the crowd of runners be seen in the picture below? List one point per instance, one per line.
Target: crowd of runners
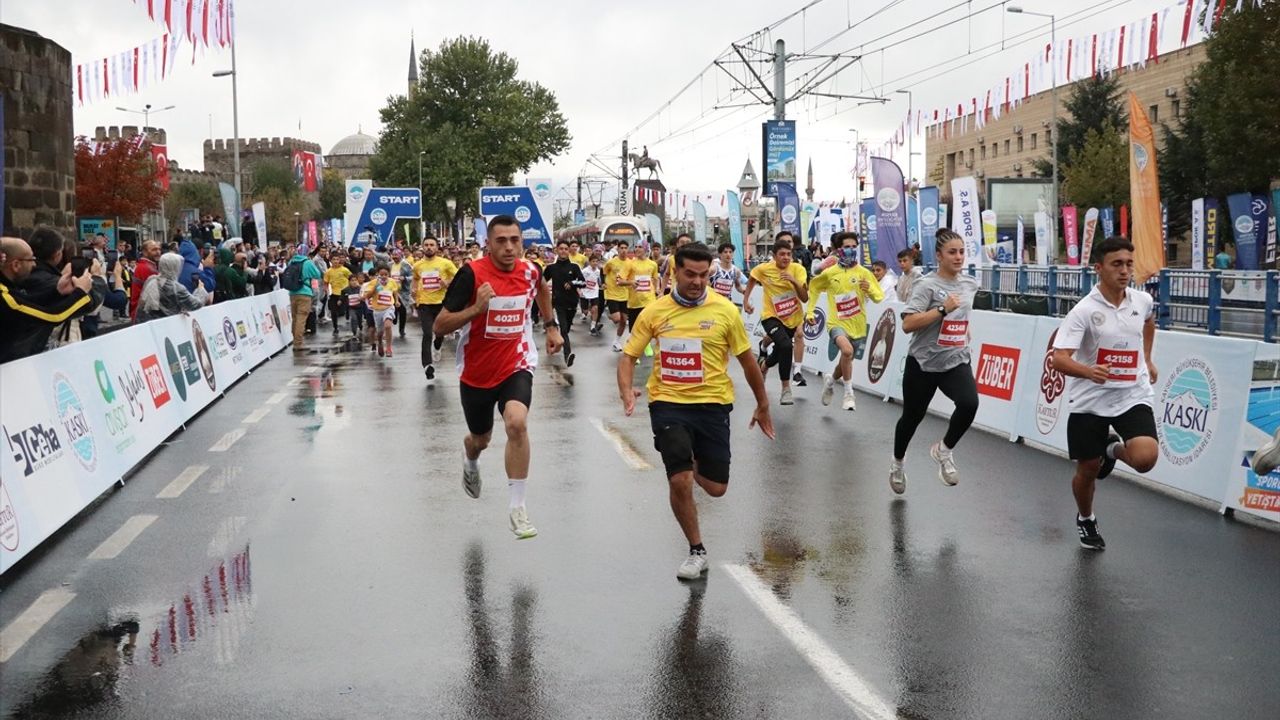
(684, 307)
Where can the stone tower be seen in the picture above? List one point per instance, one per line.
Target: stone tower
(413, 66)
(808, 190)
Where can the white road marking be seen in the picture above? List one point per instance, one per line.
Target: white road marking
(26, 625)
(182, 482)
(228, 440)
(628, 454)
(226, 532)
(275, 399)
(844, 680)
(121, 538)
(256, 415)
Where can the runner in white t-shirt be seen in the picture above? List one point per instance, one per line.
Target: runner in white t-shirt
(589, 294)
(725, 276)
(1104, 346)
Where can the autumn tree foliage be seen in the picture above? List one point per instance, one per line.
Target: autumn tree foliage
(116, 179)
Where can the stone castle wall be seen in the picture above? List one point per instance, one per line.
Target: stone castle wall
(219, 154)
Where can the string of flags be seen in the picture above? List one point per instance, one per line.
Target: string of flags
(1183, 23)
(204, 25)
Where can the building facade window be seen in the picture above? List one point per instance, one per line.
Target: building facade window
(1033, 141)
(1006, 147)
(1177, 108)
(970, 157)
(982, 152)
(995, 150)
(1019, 143)
(1154, 112)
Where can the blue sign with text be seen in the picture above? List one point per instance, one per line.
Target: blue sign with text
(518, 202)
(380, 208)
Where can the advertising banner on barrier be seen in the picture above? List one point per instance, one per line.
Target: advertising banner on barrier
(930, 221)
(1246, 490)
(77, 419)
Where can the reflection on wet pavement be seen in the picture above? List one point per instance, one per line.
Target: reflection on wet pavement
(87, 676)
(694, 668)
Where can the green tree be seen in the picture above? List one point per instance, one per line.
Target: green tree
(333, 196)
(281, 208)
(1097, 174)
(1094, 104)
(474, 119)
(273, 174)
(184, 196)
(1225, 141)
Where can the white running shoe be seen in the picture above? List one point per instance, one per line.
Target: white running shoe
(470, 478)
(617, 346)
(693, 566)
(1268, 456)
(947, 472)
(897, 477)
(520, 524)
(849, 403)
(828, 389)
(785, 398)
(436, 353)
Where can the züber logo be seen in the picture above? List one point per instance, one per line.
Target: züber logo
(155, 381)
(1052, 386)
(997, 371)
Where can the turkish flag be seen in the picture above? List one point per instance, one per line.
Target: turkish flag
(309, 171)
(160, 156)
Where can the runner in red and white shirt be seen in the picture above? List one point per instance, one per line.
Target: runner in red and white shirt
(1104, 346)
(489, 302)
(591, 298)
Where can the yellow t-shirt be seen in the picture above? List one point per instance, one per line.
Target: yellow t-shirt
(384, 298)
(613, 269)
(846, 300)
(644, 276)
(338, 277)
(780, 298)
(694, 347)
(431, 278)
(580, 260)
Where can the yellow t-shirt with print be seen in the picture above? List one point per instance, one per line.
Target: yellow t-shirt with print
(381, 299)
(643, 275)
(337, 277)
(613, 269)
(694, 347)
(431, 278)
(780, 298)
(580, 260)
(846, 300)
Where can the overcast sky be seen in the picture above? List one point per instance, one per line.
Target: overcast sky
(329, 65)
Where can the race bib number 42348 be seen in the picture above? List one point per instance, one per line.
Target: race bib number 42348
(953, 333)
(505, 318)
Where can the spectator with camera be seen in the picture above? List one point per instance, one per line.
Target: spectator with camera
(25, 322)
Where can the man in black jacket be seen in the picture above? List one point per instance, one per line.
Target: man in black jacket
(565, 278)
(25, 325)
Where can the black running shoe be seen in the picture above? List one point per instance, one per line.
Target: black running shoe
(1089, 537)
(762, 356)
(798, 379)
(1108, 463)
(568, 362)
(431, 372)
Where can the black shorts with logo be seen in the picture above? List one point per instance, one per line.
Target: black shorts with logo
(692, 434)
(478, 403)
(1087, 433)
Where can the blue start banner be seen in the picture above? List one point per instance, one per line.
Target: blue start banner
(518, 201)
(779, 154)
(379, 209)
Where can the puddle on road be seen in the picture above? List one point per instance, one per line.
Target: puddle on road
(210, 615)
(317, 392)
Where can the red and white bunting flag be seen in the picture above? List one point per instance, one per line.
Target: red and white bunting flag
(80, 84)
(1120, 49)
(189, 20)
(134, 64)
(1186, 23)
(204, 22)
(1153, 51)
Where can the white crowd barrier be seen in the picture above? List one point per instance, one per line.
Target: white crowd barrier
(77, 419)
(1209, 418)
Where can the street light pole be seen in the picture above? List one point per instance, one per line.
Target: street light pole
(910, 109)
(422, 221)
(235, 121)
(1053, 122)
(145, 112)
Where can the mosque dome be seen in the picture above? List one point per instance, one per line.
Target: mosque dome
(357, 144)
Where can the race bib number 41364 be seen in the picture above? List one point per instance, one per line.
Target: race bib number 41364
(505, 318)
(681, 360)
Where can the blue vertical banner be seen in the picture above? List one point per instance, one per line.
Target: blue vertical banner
(1260, 209)
(1275, 213)
(891, 210)
(779, 152)
(913, 222)
(1245, 229)
(789, 208)
(868, 213)
(1107, 218)
(579, 217)
(930, 221)
(735, 223)
(699, 222)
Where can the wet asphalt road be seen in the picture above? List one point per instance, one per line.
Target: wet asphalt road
(329, 565)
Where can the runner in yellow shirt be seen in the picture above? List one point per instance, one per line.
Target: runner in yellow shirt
(690, 392)
(669, 277)
(383, 294)
(641, 280)
(337, 277)
(785, 292)
(615, 293)
(848, 286)
(431, 277)
(575, 254)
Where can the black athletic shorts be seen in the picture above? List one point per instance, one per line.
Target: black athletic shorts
(478, 403)
(616, 306)
(692, 434)
(1087, 433)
